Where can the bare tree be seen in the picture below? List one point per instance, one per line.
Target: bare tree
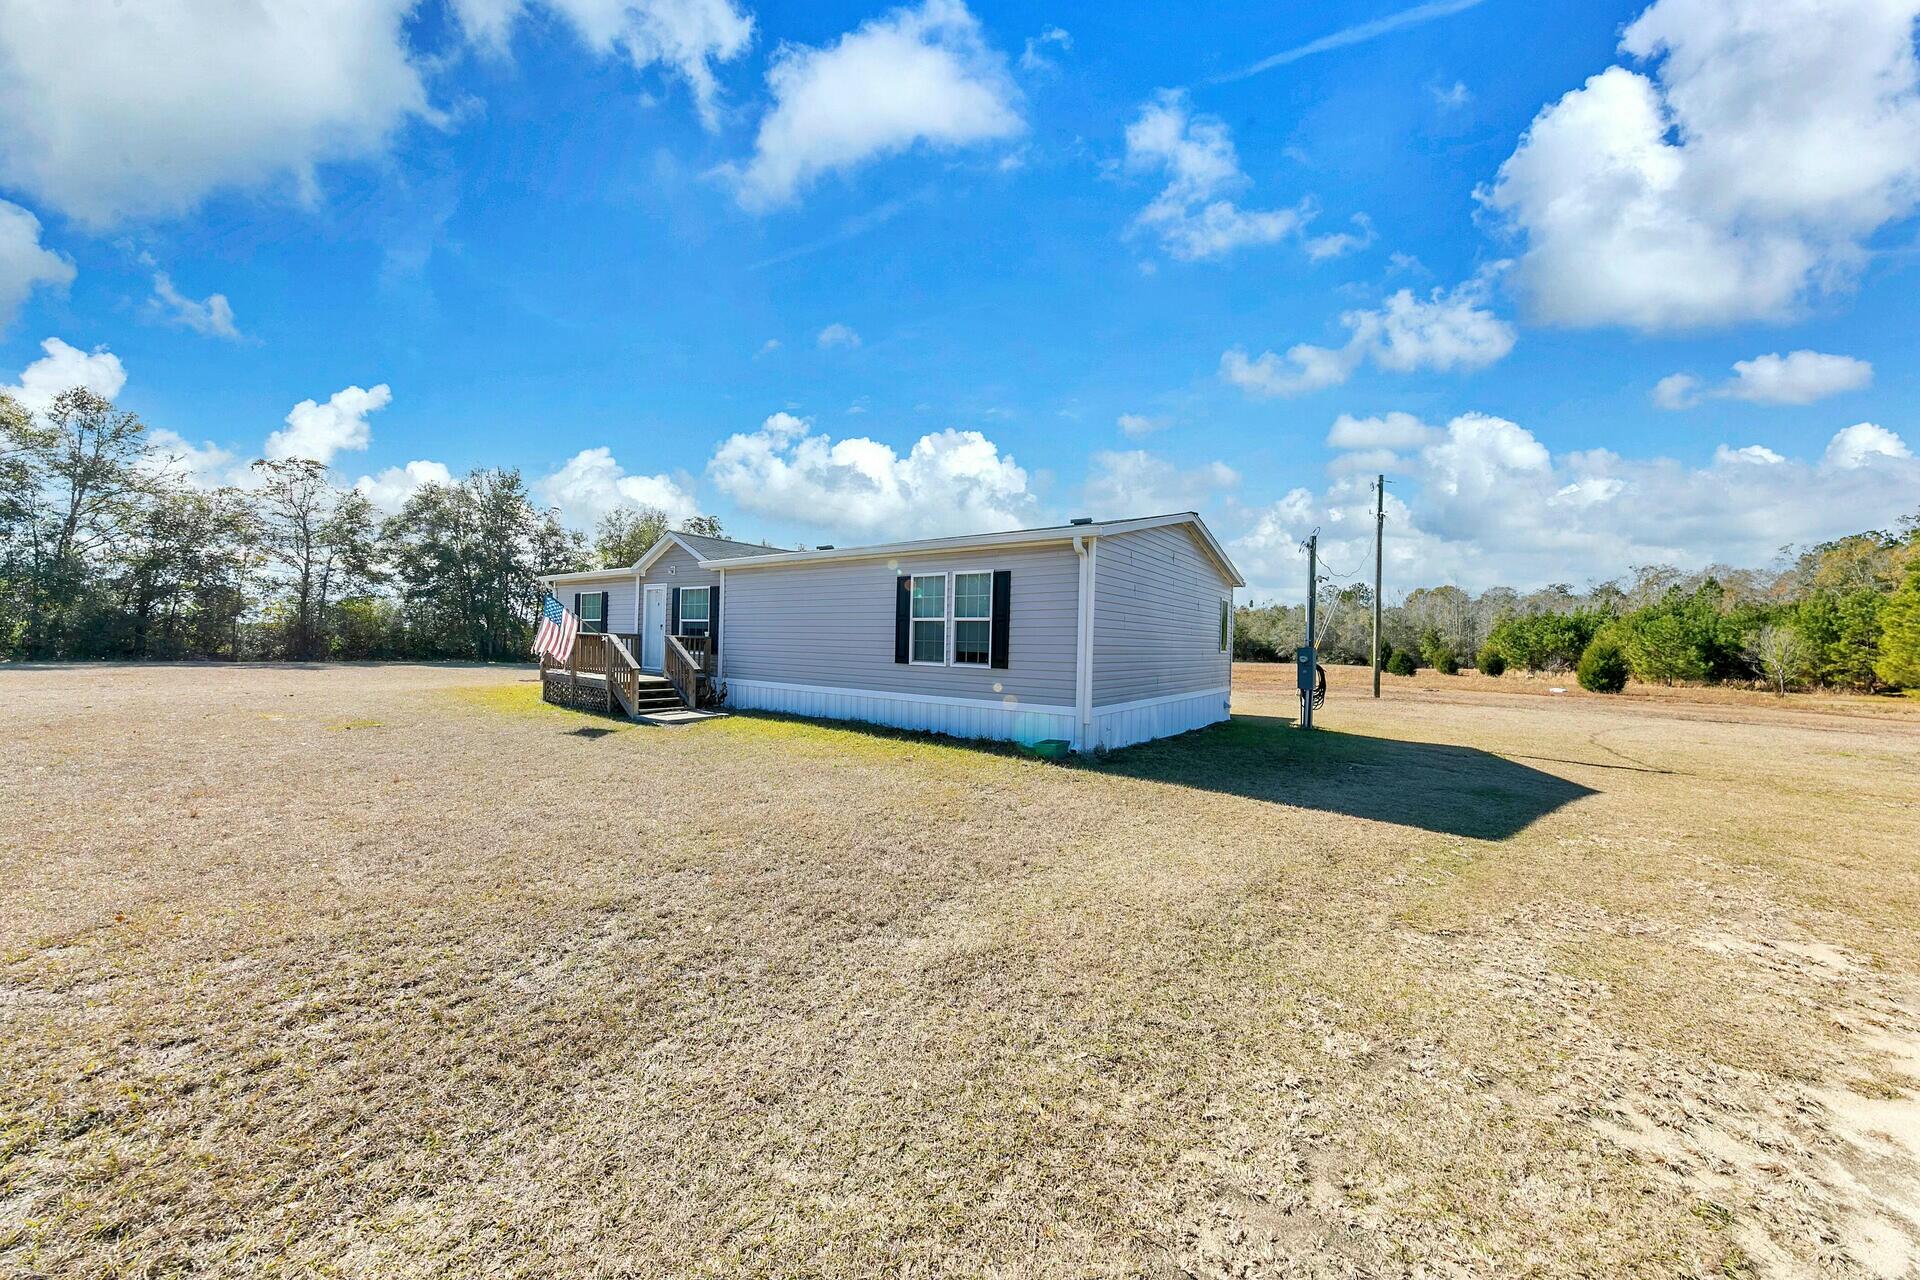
(1777, 652)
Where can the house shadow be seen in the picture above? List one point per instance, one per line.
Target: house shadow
(1451, 790)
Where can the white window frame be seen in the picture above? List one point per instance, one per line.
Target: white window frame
(1226, 624)
(706, 593)
(945, 620)
(954, 619)
(600, 621)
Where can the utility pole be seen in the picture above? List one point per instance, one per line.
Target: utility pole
(1379, 538)
(1305, 658)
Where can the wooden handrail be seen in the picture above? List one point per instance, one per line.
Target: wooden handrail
(684, 670)
(623, 673)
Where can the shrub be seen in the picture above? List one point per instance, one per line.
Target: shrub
(1401, 663)
(1603, 667)
(1491, 661)
(1444, 662)
(1545, 641)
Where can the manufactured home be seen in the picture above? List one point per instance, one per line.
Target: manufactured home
(1098, 633)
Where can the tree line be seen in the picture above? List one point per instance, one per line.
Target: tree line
(108, 550)
(1840, 615)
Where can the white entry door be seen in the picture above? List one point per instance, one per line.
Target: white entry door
(653, 629)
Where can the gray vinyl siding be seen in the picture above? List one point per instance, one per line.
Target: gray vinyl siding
(1156, 606)
(831, 625)
(620, 597)
(675, 568)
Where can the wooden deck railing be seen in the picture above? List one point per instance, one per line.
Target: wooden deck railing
(623, 673)
(684, 669)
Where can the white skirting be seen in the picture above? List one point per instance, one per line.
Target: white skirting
(1126, 723)
(1008, 721)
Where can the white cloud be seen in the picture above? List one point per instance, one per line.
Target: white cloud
(1337, 244)
(1394, 430)
(1754, 455)
(1137, 483)
(1864, 444)
(389, 489)
(111, 110)
(1191, 216)
(25, 263)
(1135, 425)
(1450, 329)
(1034, 59)
(1799, 377)
(205, 465)
(1705, 194)
(1485, 503)
(212, 316)
(64, 367)
(1454, 96)
(685, 36)
(948, 482)
(1677, 391)
(837, 335)
(912, 76)
(592, 483)
(318, 431)
(767, 348)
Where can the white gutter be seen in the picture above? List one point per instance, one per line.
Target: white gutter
(720, 625)
(1088, 549)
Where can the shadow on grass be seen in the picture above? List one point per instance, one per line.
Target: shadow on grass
(1452, 790)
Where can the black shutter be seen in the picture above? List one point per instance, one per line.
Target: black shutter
(606, 621)
(1002, 617)
(576, 609)
(902, 617)
(713, 617)
(673, 612)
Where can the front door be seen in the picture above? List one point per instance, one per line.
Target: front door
(653, 629)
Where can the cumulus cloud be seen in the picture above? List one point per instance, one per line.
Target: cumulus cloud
(837, 335)
(204, 466)
(1701, 194)
(1338, 244)
(1483, 502)
(63, 367)
(1394, 430)
(592, 483)
(1864, 444)
(25, 264)
(684, 36)
(948, 482)
(212, 316)
(1138, 483)
(1191, 216)
(1135, 425)
(1799, 377)
(318, 431)
(98, 118)
(924, 75)
(1449, 329)
(390, 488)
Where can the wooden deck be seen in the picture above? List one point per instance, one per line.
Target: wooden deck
(602, 675)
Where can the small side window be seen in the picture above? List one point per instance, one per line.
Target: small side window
(1226, 624)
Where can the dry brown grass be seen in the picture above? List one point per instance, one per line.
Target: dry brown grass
(393, 971)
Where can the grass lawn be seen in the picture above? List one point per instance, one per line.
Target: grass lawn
(395, 971)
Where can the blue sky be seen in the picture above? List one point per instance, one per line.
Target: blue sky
(851, 272)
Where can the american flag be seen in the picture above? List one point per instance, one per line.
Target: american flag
(558, 627)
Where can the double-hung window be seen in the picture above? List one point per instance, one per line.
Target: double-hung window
(972, 619)
(695, 610)
(929, 639)
(591, 616)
